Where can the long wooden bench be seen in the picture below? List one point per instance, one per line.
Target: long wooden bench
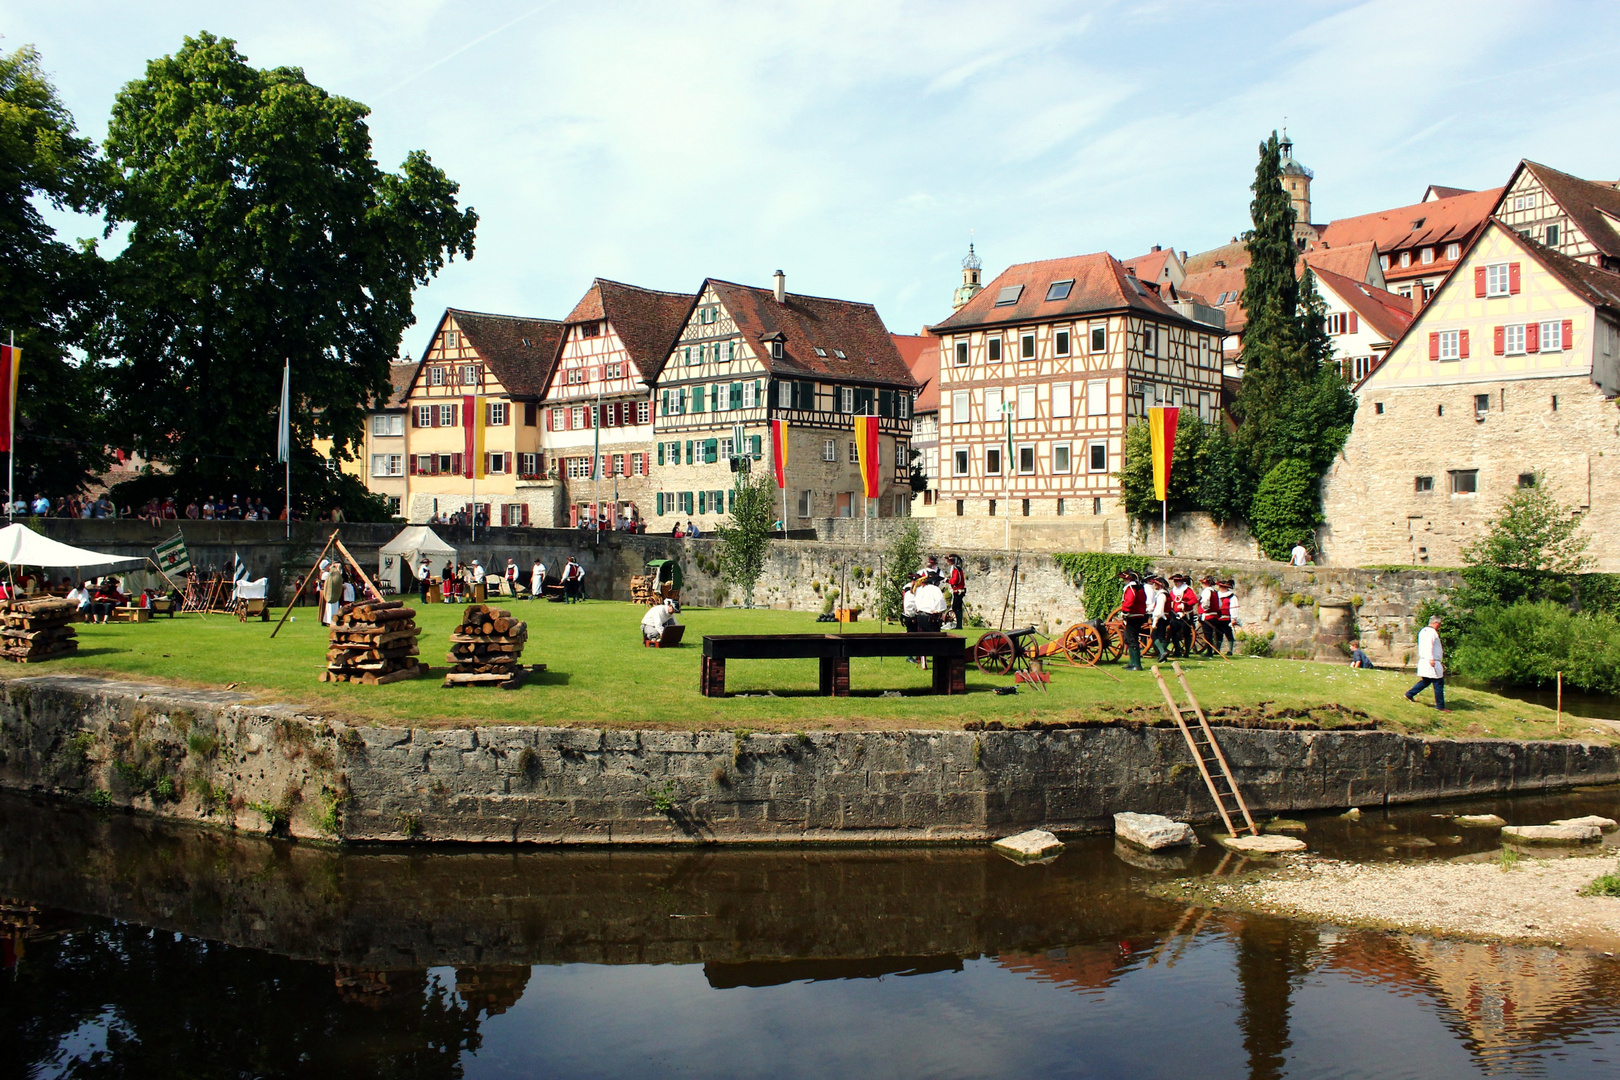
(834, 651)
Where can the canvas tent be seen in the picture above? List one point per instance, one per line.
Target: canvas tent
(399, 558)
(22, 546)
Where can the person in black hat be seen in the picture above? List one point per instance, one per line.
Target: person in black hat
(1133, 606)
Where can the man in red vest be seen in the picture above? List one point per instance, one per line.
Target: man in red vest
(1133, 605)
(1185, 609)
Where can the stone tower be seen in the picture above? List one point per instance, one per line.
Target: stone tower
(972, 280)
(1296, 180)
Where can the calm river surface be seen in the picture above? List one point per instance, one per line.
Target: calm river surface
(134, 949)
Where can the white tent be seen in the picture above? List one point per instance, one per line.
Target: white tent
(399, 558)
(21, 546)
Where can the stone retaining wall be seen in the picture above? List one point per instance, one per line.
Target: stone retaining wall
(204, 757)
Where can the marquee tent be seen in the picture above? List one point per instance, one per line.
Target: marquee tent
(398, 559)
(22, 546)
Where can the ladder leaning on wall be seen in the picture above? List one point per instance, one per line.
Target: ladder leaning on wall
(1207, 752)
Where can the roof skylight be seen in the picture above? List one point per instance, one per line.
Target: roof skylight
(1009, 294)
(1059, 290)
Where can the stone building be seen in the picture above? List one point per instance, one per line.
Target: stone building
(1363, 321)
(384, 450)
(597, 403)
(747, 356)
(1578, 218)
(473, 412)
(1508, 377)
(1039, 376)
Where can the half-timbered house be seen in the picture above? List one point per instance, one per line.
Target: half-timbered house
(1575, 217)
(1040, 374)
(597, 404)
(457, 458)
(747, 356)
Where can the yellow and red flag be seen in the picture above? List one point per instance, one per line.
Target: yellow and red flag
(472, 423)
(866, 448)
(10, 365)
(1162, 430)
(779, 450)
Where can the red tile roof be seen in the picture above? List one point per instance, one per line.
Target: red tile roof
(1214, 283)
(1386, 313)
(1353, 261)
(1440, 192)
(807, 323)
(1233, 256)
(1585, 201)
(1147, 267)
(1425, 224)
(1101, 284)
(400, 376)
(1600, 288)
(921, 355)
(520, 352)
(646, 320)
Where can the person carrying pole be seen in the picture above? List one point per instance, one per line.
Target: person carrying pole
(1133, 606)
(1158, 604)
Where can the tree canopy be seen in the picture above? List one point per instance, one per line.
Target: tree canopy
(261, 231)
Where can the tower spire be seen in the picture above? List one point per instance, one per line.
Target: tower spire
(972, 274)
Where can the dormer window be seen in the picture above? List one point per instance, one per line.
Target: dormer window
(776, 350)
(1059, 290)
(1428, 256)
(820, 351)
(840, 354)
(591, 329)
(1406, 258)
(1418, 224)
(452, 339)
(1009, 294)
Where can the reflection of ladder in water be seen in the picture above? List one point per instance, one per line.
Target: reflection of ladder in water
(1207, 752)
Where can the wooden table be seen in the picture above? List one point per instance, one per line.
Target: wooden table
(834, 651)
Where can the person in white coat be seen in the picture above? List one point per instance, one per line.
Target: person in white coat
(537, 580)
(1431, 672)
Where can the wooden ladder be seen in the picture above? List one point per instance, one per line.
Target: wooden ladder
(1207, 752)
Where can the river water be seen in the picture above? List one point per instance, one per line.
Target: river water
(137, 949)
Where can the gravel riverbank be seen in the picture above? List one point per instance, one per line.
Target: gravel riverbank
(1536, 899)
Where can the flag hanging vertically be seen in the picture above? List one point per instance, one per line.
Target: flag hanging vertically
(172, 557)
(779, 450)
(284, 431)
(1162, 431)
(472, 422)
(866, 449)
(10, 366)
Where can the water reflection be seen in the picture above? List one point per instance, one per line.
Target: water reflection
(134, 949)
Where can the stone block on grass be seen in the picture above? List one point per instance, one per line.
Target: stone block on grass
(1552, 834)
(1036, 845)
(1153, 831)
(1262, 845)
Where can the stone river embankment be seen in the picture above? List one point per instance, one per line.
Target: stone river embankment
(207, 756)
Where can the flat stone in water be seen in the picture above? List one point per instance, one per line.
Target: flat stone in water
(1031, 846)
(1604, 824)
(1285, 825)
(1265, 844)
(1552, 834)
(1480, 821)
(1153, 831)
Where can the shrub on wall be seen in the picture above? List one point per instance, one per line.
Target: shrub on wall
(1097, 575)
(1286, 508)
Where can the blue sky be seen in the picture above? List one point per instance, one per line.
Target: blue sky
(856, 144)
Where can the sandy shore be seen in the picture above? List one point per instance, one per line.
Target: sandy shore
(1536, 900)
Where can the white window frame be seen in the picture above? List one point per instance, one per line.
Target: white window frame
(1062, 400)
(1027, 397)
(992, 405)
(961, 406)
(1427, 256)
(1497, 279)
(643, 412)
(960, 462)
(469, 374)
(1150, 339)
(435, 375)
(1550, 336)
(1453, 250)
(1062, 458)
(806, 502)
(576, 417)
(1451, 344)
(1091, 450)
(1513, 339)
(1029, 451)
(994, 349)
(748, 399)
(993, 450)
(726, 448)
(961, 355)
(829, 450)
(722, 397)
(447, 416)
(784, 395)
(1062, 342)
(498, 413)
(1095, 331)
(497, 461)
(1097, 389)
(854, 454)
(1026, 345)
(846, 399)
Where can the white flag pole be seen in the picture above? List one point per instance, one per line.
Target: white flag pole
(11, 423)
(284, 436)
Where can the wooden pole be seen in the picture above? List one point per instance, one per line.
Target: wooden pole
(355, 563)
(305, 583)
(1560, 701)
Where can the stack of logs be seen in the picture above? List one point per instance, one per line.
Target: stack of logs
(35, 630)
(373, 642)
(485, 649)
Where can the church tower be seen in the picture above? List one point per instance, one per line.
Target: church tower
(1296, 180)
(972, 283)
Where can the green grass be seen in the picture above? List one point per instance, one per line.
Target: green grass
(599, 675)
(1607, 885)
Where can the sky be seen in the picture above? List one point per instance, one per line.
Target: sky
(859, 146)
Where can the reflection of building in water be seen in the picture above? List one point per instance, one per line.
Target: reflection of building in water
(362, 986)
(1082, 968)
(492, 988)
(1498, 998)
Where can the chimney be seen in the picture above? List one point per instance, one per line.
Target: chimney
(1417, 298)
(1158, 248)
(781, 287)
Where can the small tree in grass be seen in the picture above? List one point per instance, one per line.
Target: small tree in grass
(746, 537)
(899, 563)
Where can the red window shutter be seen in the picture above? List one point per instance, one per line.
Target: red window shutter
(1501, 340)
(1355, 323)
(410, 464)
(548, 420)
(1532, 338)
(525, 513)
(433, 416)
(1513, 278)
(416, 417)
(455, 416)
(433, 465)
(1479, 281)
(1434, 346)
(1462, 344)
(455, 465)
(487, 463)
(1569, 334)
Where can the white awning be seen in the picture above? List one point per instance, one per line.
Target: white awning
(22, 546)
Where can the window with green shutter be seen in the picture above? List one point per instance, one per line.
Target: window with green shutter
(660, 461)
(663, 408)
(689, 451)
(885, 403)
(703, 502)
(753, 441)
(686, 501)
(711, 451)
(660, 496)
(736, 395)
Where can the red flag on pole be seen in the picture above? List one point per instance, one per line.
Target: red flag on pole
(866, 448)
(1162, 435)
(10, 366)
(779, 450)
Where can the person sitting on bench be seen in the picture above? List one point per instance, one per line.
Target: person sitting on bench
(657, 618)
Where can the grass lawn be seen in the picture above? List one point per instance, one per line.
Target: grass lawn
(599, 675)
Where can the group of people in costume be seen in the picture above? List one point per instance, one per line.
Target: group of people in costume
(1171, 610)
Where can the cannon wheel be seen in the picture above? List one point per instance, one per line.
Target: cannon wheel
(1083, 645)
(994, 653)
(1113, 642)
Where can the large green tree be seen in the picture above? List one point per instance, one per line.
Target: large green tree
(261, 230)
(49, 291)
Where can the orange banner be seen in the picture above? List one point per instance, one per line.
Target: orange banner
(779, 450)
(10, 366)
(866, 448)
(1162, 430)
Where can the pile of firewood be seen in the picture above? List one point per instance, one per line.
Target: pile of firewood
(35, 630)
(373, 642)
(485, 649)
